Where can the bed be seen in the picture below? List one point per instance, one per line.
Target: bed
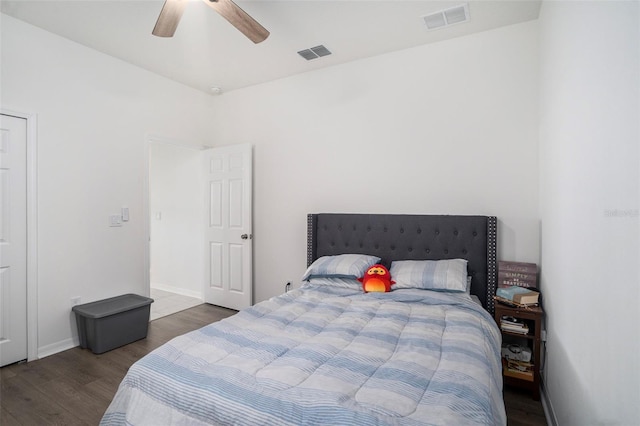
(328, 353)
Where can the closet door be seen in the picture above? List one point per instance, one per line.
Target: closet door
(13, 239)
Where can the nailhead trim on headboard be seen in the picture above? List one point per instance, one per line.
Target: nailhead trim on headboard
(310, 239)
(492, 246)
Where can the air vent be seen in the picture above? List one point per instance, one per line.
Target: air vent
(314, 52)
(445, 18)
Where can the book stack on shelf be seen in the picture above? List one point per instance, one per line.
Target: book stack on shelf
(519, 369)
(518, 297)
(516, 359)
(513, 325)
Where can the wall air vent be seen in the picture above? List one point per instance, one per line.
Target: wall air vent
(448, 17)
(314, 52)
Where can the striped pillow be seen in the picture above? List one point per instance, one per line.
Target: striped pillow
(441, 275)
(351, 283)
(340, 266)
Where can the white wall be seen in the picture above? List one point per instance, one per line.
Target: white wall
(93, 114)
(589, 193)
(446, 128)
(176, 205)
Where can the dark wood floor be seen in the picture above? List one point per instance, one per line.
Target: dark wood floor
(522, 410)
(75, 387)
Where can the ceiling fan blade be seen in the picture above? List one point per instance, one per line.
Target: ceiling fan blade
(239, 19)
(169, 18)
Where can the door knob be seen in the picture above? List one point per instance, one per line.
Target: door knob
(245, 236)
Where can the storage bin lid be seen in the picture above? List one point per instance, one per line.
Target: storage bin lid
(111, 306)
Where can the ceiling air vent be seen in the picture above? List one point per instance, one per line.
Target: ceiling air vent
(445, 18)
(314, 52)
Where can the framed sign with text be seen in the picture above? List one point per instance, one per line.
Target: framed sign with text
(517, 273)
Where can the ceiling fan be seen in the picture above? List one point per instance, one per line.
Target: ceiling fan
(172, 12)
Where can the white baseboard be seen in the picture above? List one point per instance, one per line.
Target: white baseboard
(178, 290)
(54, 348)
(547, 407)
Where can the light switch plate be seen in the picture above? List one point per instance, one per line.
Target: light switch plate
(115, 220)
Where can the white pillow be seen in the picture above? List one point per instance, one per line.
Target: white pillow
(441, 275)
(340, 266)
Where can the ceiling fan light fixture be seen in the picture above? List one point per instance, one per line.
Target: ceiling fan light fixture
(169, 18)
(239, 19)
(172, 11)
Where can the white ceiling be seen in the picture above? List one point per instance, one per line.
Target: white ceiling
(206, 51)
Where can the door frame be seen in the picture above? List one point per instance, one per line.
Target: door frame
(32, 229)
(146, 220)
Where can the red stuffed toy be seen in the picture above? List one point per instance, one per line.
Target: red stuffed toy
(376, 278)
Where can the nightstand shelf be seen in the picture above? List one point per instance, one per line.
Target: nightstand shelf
(532, 317)
(518, 335)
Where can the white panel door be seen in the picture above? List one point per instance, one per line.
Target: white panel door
(228, 275)
(13, 239)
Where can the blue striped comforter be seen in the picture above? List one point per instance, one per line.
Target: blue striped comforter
(325, 355)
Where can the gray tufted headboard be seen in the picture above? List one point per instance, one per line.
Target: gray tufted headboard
(411, 237)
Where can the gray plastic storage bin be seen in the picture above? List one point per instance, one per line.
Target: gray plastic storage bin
(114, 322)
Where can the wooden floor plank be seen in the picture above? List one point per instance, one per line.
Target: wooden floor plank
(37, 373)
(29, 406)
(105, 388)
(82, 401)
(6, 419)
(75, 387)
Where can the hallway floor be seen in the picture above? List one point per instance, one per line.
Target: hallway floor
(167, 303)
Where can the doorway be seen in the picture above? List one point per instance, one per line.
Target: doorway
(199, 212)
(175, 226)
